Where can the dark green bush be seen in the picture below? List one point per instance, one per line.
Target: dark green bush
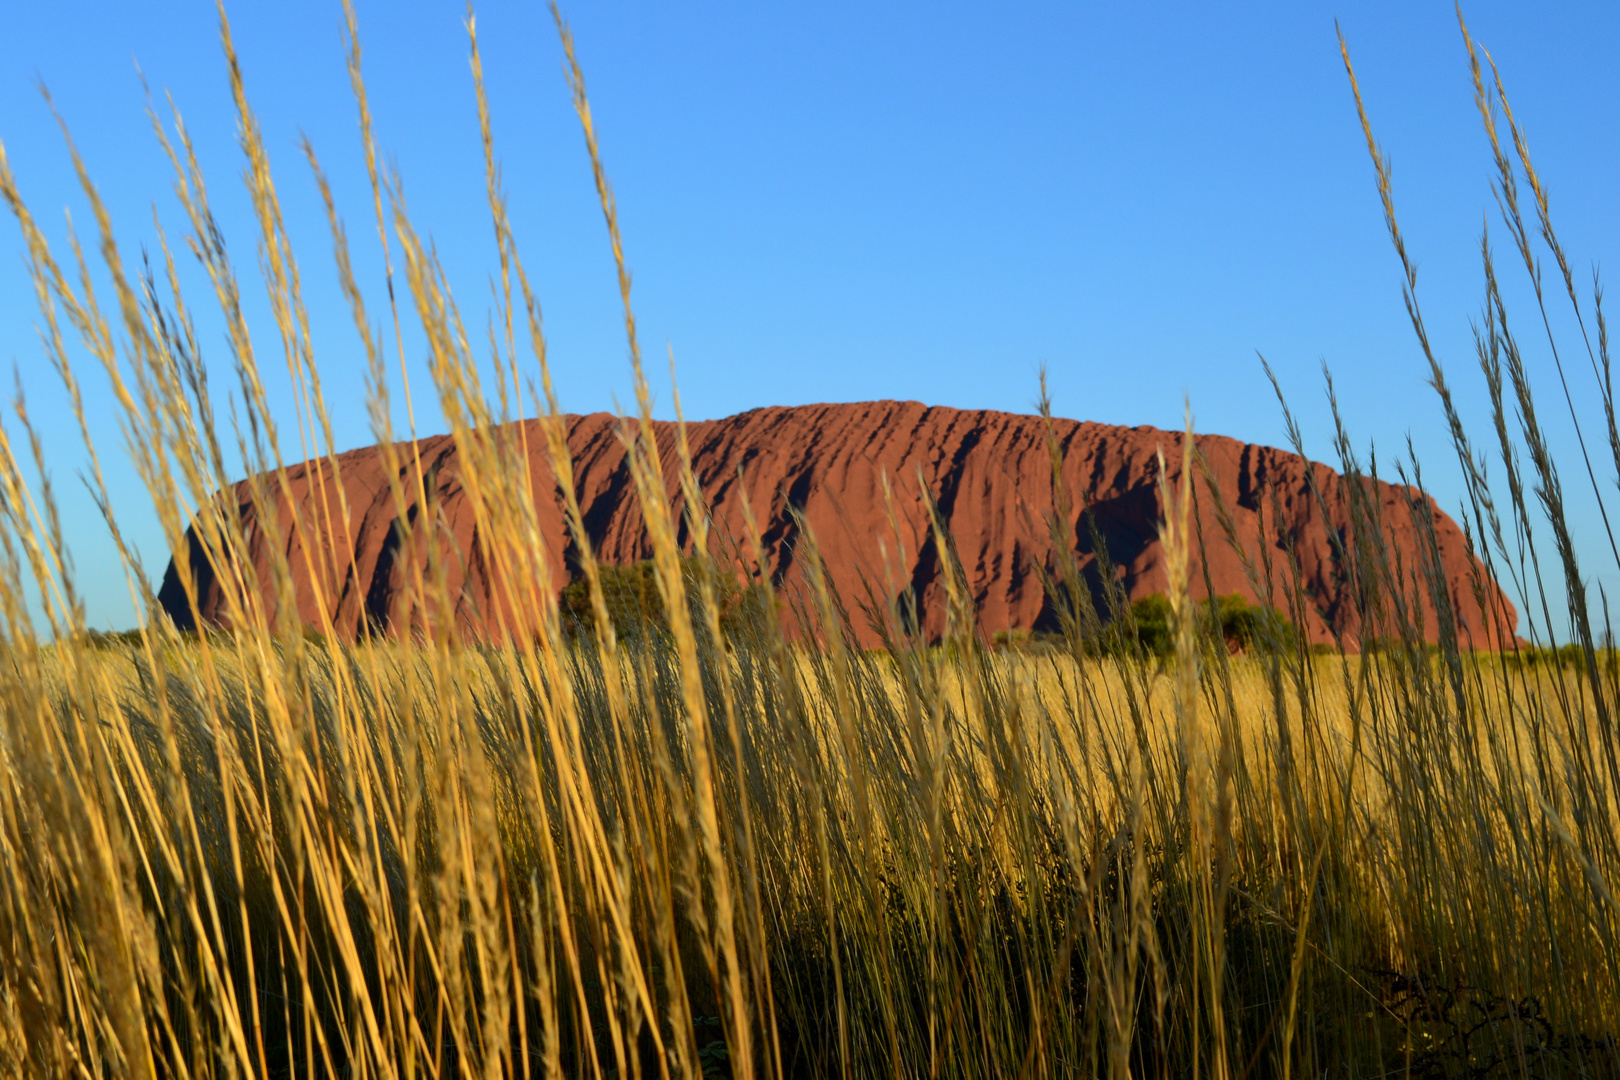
(1230, 619)
(636, 607)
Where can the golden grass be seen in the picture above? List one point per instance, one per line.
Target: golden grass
(957, 848)
(731, 851)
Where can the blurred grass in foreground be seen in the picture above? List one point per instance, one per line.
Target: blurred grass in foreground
(706, 846)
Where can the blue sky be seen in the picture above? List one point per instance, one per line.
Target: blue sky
(846, 201)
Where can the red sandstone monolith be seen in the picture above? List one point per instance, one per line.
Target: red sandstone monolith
(827, 468)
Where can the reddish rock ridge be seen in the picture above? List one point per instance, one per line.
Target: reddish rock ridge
(989, 472)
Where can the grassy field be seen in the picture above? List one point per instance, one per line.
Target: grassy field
(704, 845)
(308, 859)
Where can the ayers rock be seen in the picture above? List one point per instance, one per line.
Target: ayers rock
(990, 473)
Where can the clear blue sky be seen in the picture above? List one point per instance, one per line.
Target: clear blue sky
(843, 201)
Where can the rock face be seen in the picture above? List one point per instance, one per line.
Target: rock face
(989, 473)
